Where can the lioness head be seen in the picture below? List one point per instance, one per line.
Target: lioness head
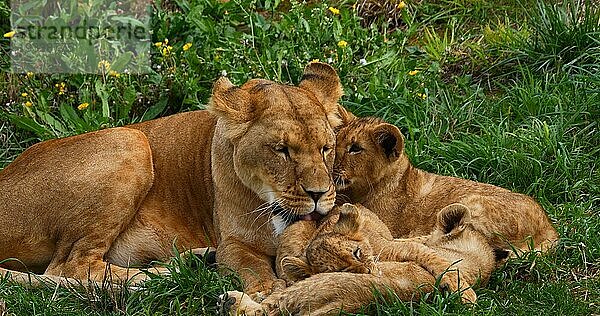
(367, 151)
(283, 140)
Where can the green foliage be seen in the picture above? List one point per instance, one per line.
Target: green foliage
(565, 37)
(505, 92)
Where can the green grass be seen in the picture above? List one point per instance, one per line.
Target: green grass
(507, 92)
(191, 289)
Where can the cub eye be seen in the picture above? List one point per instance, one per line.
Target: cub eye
(355, 149)
(356, 253)
(325, 150)
(282, 150)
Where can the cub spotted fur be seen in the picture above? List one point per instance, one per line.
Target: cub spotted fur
(357, 241)
(372, 169)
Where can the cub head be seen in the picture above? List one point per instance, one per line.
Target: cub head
(367, 150)
(335, 248)
(283, 140)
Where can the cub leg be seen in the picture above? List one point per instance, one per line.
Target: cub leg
(406, 250)
(327, 293)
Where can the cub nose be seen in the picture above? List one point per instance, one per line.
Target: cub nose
(314, 194)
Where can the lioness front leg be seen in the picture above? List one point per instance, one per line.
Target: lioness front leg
(253, 266)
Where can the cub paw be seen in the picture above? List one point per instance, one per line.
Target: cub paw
(348, 208)
(451, 281)
(468, 296)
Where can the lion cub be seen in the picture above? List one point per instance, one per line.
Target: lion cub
(354, 239)
(357, 241)
(371, 168)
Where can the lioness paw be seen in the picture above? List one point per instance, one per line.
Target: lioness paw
(236, 303)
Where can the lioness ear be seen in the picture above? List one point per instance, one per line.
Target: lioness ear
(323, 81)
(230, 102)
(350, 221)
(453, 217)
(295, 268)
(390, 140)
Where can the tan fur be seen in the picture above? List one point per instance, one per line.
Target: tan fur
(359, 239)
(128, 195)
(372, 169)
(454, 250)
(273, 149)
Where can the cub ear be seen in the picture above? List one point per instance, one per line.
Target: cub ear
(453, 218)
(345, 115)
(350, 221)
(230, 102)
(295, 268)
(389, 138)
(323, 81)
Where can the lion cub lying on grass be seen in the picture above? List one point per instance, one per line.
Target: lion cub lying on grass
(357, 241)
(371, 168)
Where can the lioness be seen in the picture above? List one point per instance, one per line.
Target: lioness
(260, 155)
(372, 169)
(348, 245)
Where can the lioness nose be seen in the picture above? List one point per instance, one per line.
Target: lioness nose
(315, 195)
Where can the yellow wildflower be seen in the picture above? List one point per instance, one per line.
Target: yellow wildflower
(83, 106)
(113, 73)
(166, 41)
(10, 34)
(315, 60)
(342, 44)
(24, 94)
(103, 65)
(28, 104)
(334, 10)
(413, 72)
(62, 88)
(187, 46)
(422, 96)
(401, 5)
(158, 44)
(29, 74)
(166, 50)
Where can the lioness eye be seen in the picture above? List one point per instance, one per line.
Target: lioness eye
(325, 150)
(354, 149)
(356, 253)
